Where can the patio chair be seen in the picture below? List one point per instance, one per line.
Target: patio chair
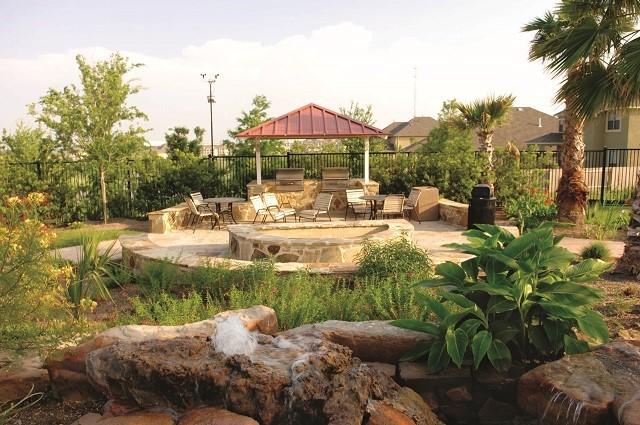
(198, 216)
(263, 211)
(393, 206)
(320, 207)
(198, 201)
(410, 204)
(271, 202)
(356, 204)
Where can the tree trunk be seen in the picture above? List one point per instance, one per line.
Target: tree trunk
(630, 261)
(103, 195)
(486, 146)
(572, 193)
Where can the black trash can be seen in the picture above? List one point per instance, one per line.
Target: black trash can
(482, 206)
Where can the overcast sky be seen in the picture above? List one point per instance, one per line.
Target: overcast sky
(294, 52)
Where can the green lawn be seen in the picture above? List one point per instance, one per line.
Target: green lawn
(72, 237)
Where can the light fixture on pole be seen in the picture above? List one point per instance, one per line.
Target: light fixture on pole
(211, 101)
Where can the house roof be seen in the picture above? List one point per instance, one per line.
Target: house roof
(311, 122)
(415, 127)
(524, 126)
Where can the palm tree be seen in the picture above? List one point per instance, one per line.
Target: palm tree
(594, 46)
(484, 116)
(630, 260)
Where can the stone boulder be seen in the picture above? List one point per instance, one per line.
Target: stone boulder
(297, 377)
(600, 387)
(370, 341)
(18, 379)
(67, 370)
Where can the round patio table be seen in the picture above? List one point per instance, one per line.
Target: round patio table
(375, 201)
(224, 200)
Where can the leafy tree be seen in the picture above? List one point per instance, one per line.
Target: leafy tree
(363, 114)
(95, 122)
(448, 132)
(484, 116)
(27, 144)
(256, 116)
(594, 46)
(178, 141)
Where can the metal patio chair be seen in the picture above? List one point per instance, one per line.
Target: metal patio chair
(271, 202)
(198, 216)
(356, 204)
(263, 211)
(393, 206)
(320, 207)
(410, 205)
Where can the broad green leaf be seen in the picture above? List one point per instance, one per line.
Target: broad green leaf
(499, 355)
(497, 305)
(560, 310)
(555, 330)
(594, 327)
(417, 325)
(574, 346)
(434, 306)
(438, 357)
(479, 347)
(489, 289)
(590, 295)
(434, 283)
(453, 318)
(504, 330)
(587, 270)
(470, 267)
(557, 258)
(451, 271)
(420, 350)
(457, 342)
(520, 245)
(539, 339)
(457, 299)
(470, 326)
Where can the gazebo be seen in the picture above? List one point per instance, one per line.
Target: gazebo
(311, 122)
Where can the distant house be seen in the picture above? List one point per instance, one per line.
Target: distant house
(528, 126)
(160, 150)
(614, 129)
(402, 135)
(218, 150)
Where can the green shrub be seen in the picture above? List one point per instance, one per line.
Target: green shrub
(219, 279)
(605, 222)
(516, 176)
(157, 277)
(390, 298)
(399, 257)
(596, 250)
(516, 298)
(531, 211)
(166, 309)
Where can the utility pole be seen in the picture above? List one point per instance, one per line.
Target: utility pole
(415, 86)
(211, 101)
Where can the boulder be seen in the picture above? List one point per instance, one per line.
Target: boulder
(138, 418)
(294, 378)
(599, 387)
(16, 381)
(370, 341)
(383, 414)
(67, 370)
(214, 416)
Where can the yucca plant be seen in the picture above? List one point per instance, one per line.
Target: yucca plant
(91, 275)
(519, 298)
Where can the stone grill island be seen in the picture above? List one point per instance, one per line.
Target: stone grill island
(311, 242)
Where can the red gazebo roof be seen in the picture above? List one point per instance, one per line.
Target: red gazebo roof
(311, 122)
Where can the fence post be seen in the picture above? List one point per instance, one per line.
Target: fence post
(39, 170)
(288, 159)
(603, 176)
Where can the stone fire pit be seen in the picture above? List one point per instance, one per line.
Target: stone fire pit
(311, 242)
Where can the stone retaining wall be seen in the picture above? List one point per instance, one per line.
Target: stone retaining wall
(454, 212)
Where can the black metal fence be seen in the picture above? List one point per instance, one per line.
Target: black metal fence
(137, 187)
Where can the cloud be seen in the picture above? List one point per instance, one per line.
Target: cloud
(330, 66)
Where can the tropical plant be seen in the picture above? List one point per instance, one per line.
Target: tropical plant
(91, 276)
(531, 210)
(596, 250)
(516, 298)
(595, 47)
(484, 116)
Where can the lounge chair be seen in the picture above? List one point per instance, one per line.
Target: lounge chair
(263, 211)
(271, 202)
(198, 216)
(198, 201)
(320, 207)
(393, 206)
(410, 204)
(356, 204)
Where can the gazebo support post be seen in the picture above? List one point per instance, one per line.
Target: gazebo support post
(366, 160)
(258, 162)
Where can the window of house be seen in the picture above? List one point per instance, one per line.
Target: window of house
(613, 121)
(561, 125)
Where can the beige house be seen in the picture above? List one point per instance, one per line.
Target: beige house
(613, 130)
(410, 133)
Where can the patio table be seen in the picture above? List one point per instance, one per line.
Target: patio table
(375, 201)
(224, 200)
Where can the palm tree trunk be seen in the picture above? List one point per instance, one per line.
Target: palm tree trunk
(486, 146)
(103, 195)
(572, 193)
(630, 261)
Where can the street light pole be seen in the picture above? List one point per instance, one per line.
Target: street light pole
(211, 101)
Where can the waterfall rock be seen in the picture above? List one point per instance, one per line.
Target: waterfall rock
(599, 387)
(291, 379)
(67, 370)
